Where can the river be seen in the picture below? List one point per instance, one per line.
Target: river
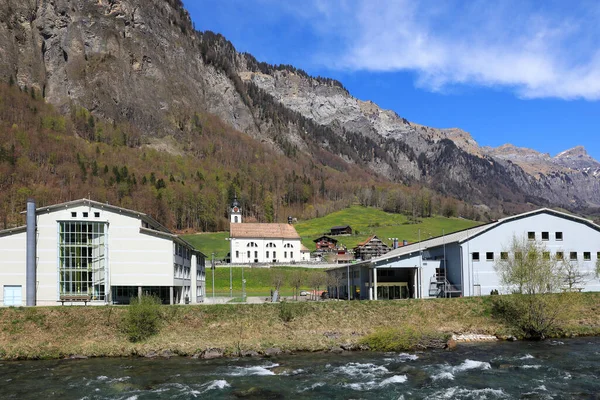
(554, 369)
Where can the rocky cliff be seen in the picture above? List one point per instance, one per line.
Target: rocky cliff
(141, 61)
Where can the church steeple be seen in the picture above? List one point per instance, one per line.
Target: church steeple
(235, 212)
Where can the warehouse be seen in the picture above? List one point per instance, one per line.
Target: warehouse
(463, 263)
(85, 251)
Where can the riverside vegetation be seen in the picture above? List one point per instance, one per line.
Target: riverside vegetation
(56, 332)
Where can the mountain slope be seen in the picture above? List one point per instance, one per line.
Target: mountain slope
(142, 63)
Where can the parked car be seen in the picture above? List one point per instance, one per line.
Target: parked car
(304, 293)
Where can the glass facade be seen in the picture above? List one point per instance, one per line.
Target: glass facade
(82, 259)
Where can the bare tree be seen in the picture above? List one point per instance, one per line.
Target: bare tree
(297, 280)
(317, 280)
(277, 280)
(572, 276)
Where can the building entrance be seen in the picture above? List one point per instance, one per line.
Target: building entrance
(392, 291)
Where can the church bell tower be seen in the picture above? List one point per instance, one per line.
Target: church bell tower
(235, 212)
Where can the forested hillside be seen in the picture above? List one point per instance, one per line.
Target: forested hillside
(185, 183)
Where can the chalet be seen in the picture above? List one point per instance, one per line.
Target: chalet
(341, 230)
(325, 243)
(371, 248)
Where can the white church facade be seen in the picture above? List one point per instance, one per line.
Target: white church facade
(263, 242)
(88, 251)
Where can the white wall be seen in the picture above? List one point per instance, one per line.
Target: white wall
(12, 263)
(576, 237)
(241, 245)
(133, 258)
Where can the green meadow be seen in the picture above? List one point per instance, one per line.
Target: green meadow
(365, 221)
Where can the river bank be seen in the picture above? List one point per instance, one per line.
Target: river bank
(234, 329)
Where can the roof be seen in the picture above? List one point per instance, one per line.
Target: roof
(340, 227)
(470, 233)
(158, 228)
(257, 230)
(303, 248)
(325, 237)
(367, 241)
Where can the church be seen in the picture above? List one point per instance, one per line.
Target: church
(263, 243)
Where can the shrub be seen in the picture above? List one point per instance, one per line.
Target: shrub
(286, 312)
(143, 318)
(536, 316)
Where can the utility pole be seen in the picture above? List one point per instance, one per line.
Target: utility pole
(212, 266)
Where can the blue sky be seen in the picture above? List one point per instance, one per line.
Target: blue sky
(506, 71)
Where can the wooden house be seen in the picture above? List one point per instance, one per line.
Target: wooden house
(341, 230)
(371, 248)
(325, 243)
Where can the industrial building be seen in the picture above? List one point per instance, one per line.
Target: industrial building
(84, 251)
(463, 263)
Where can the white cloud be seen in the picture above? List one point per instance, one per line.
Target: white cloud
(536, 52)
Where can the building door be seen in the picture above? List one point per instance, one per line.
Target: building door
(12, 296)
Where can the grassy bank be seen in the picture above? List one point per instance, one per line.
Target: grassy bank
(53, 332)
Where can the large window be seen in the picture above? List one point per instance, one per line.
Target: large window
(82, 259)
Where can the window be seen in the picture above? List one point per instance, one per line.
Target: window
(476, 256)
(256, 254)
(271, 245)
(74, 214)
(545, 236)
(274, 255)
(267, 253)
(560, 255)
(558, 236)
(489, 256)
(96, 215)
(504, 255)
(587, 256)
(235, 219)
(531, 235)
(518, 255)
(82, 259)
(573, 255)
(291, 254)
(546, 255)
(288, 246)
(248, 254)
(237, 254)
(85, 215)
(253, 244)
(285, 254)
(598, 255)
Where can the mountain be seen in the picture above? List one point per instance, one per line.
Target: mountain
(142, 65)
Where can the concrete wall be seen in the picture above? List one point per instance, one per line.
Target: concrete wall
(577, 237)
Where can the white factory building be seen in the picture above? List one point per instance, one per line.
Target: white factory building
(263, 242)
(463, 263)
(84, 250)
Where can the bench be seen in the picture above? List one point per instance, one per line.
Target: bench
(75, 298)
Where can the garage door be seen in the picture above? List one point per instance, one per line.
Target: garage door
(12, 296)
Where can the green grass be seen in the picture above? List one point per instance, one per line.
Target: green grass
(259, 281)
(366, 221)
(209, 243)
